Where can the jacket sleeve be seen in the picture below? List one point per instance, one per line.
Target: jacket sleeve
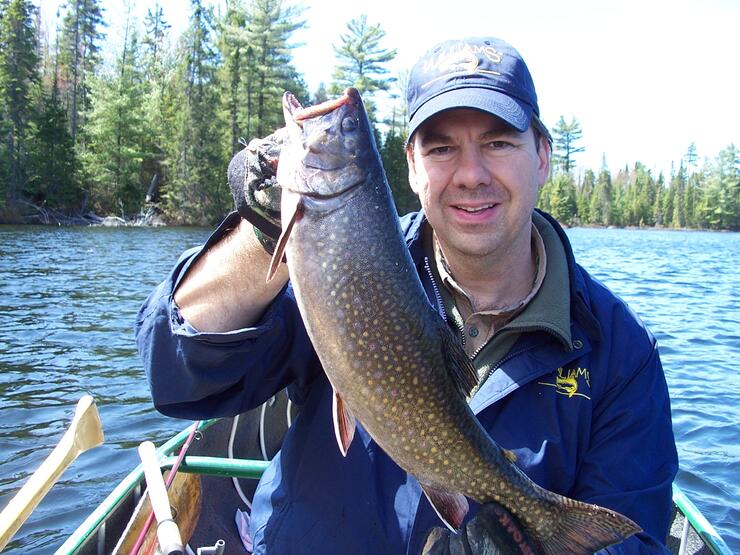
(205, 375)
(631, 459)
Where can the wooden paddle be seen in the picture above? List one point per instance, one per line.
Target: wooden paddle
(85, 432)
(168, 533)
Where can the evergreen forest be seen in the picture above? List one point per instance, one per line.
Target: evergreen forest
(146, 134)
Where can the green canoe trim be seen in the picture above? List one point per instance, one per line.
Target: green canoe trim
(246, 468)
(218, 466)
(91, 523)
(699, 523)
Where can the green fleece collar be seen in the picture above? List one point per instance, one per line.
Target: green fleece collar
(548, 311)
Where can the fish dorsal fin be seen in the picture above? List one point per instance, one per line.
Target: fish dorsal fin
(296, 211)
(344, 423)
(458, 364)
(450, 507)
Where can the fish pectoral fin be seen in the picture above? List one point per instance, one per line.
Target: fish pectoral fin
(296, 210)
(458, 364)
(344, 423)
(509, 455)
(450, 507)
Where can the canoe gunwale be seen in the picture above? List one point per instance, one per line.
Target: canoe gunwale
(253, 469)
(699, 523)
(91, 524)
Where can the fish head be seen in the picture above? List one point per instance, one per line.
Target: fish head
(330, 147)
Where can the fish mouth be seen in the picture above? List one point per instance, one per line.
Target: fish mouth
(299, 114)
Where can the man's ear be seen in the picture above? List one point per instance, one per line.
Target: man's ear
(412, 168)
(545, 155)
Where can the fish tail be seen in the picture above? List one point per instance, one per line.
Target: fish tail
(584, 529)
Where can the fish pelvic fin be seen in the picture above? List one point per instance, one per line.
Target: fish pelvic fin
(584, 529)
(458, 363)
(344, 423)
(450, 507)
(277, 257)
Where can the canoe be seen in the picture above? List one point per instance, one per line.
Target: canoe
(216, 472)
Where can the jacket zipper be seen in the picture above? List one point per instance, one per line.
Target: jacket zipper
(437, 294)
(442, 311)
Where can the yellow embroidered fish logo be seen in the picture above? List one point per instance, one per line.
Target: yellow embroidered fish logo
(571, 382)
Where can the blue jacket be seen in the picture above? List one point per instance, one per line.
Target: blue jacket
(588, 416)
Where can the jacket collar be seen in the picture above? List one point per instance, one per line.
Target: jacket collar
(413, 225)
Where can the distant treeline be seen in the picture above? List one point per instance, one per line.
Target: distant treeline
(154, 130)
(706, 198)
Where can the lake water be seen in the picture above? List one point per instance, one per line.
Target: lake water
(69, 297)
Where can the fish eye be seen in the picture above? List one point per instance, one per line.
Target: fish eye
(349, 124)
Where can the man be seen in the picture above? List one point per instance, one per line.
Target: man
(571, 381)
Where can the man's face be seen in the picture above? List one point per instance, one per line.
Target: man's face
(477, 180)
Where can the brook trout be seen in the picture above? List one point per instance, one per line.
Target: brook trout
(393, 362)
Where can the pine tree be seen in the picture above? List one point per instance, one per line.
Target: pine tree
(361, 61)
(677, 191)
(270, 25)
(601, 201)
(197, 191)
(153, 43)
(396, 170)
(235, 51)
(558, 198)
(19, 65)
(721, 198)
(53, 180)
(81, 36)
(565, 136)
(115, 134)
(158, 106)
(583, 197)
(659, 204)
(691, 158)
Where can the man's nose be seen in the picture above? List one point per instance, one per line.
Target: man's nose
(472, 170)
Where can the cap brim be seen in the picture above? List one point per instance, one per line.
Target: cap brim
(515, 113)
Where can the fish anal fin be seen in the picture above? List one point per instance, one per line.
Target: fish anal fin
(458, 364)
(450, 507)
(344, 423)
(296, 211)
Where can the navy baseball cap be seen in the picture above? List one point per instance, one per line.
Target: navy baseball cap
(484, 73)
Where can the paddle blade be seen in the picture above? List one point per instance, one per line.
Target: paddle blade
(85, 432)
(87, 422)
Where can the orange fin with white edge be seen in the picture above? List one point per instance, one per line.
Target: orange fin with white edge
(344, 423)
(450, 507)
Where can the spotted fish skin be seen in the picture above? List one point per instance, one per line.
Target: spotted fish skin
(393, 362)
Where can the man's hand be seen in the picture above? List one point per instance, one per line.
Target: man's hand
(493, 531)
(253, 184)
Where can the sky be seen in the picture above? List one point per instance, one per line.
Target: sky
(644, 78)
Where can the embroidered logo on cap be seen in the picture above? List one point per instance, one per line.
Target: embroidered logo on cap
(462, 59)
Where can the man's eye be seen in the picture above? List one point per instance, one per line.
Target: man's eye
(439, 150)
(499, 145)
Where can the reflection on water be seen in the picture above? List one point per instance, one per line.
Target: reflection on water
(69, 297)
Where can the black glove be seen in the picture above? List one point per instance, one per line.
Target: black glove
(493, 531)
(253, 184)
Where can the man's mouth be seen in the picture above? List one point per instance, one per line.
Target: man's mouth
(474, 209)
